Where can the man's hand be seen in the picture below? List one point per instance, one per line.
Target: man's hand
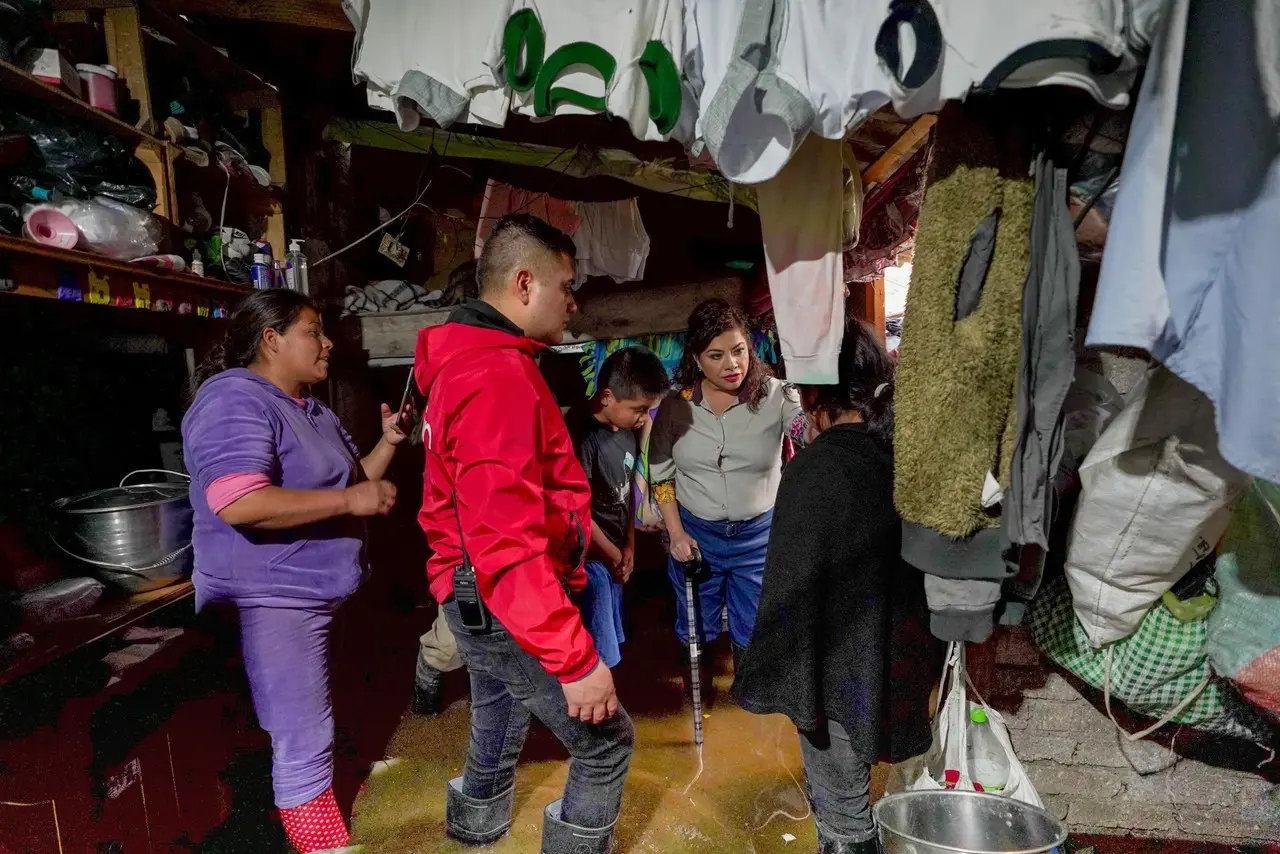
(625, 565)
(592, 698)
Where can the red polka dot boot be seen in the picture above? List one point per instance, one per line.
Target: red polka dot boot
(316, 825)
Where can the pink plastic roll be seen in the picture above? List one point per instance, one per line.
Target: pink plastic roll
(52, 228)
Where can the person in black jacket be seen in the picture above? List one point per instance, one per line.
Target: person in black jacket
(841, 642)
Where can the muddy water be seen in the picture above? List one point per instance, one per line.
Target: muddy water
(749, 797)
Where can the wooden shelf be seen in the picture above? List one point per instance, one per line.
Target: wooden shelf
(113, 616)
(33, 269)
(14, 79)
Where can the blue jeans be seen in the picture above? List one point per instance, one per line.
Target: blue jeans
(602, 612)
(508, 686)
(733, 556)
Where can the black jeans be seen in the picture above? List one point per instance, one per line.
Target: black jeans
(507, 686)
(838, 783)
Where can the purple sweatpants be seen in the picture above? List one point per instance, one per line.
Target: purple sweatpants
(286, 655)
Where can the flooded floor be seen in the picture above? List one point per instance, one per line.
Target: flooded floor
(748, 798)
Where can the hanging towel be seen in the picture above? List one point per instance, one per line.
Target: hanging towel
(1190, 269)
(611, 240)
(501, 199)
(959, 356)
(801, 215)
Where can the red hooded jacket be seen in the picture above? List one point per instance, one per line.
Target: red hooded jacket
(495, 438)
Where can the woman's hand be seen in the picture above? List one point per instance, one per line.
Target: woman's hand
(370, 498)
(682, 546)
(391, 432)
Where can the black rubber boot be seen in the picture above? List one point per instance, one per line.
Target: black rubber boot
(558, 837)
(738, 653)
(830, 843)
(474, 821)
(428, 691)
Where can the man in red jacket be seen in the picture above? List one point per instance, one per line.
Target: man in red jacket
(506, 510)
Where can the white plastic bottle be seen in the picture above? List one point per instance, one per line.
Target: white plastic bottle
(295, 269)
(988, 764)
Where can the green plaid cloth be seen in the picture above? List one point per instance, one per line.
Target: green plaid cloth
(1152, 670)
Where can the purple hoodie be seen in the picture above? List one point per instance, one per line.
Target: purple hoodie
(242, 424)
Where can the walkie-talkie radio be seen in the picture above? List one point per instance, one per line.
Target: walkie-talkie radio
(471, 608)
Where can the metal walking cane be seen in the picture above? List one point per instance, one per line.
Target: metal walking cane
(691, 568)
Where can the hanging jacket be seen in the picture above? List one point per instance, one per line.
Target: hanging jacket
(502, 480)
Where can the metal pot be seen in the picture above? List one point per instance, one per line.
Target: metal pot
(951, 822)
(137, 537)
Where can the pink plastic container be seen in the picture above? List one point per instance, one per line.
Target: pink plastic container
(99, 86)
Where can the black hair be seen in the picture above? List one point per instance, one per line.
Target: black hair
(514, 241)
(709, 320)
(864, 367)
(275, 308)
(632, 373)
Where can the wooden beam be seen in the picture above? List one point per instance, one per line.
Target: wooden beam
(647, 310)
(903, 147)
(317, 14)
(123, 30)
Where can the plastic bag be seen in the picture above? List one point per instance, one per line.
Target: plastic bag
(81, 162)
(1244, 630)
(946, 765)
(111, 228)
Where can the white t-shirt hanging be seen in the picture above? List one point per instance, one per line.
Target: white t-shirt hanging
(619, 35)
(438, 58)
(611, 240)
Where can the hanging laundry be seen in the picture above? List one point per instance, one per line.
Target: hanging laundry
(1047, 360)
(611, 240)
(1015, 44)
(756, 106)
(434, 58)
(817, 73)
(959, 356)
(619, 57)
(800, 222)
(501, 199)
(1190, 270)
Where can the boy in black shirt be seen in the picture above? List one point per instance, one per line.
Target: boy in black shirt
(631, 382)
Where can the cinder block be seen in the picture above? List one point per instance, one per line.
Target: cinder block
(1055, 687)
(1112, 815)
(1032, 746)
(1057, 716)
(1050, 778)
(1100, 749)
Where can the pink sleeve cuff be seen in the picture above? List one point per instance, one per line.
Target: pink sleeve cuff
(225, 491)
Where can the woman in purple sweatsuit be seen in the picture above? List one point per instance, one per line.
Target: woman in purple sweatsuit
(280, 491)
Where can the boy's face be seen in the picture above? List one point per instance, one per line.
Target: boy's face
(628, 414)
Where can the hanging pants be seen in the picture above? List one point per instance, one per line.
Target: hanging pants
(286, 656)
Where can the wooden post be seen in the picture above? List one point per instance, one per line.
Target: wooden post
(273, 141)
(868, 304)
(123, 30)
(159, 162)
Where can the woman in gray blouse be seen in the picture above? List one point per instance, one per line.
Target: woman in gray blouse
(715, 460)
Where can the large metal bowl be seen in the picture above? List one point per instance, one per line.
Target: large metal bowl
(951, 822)
(137, 537)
